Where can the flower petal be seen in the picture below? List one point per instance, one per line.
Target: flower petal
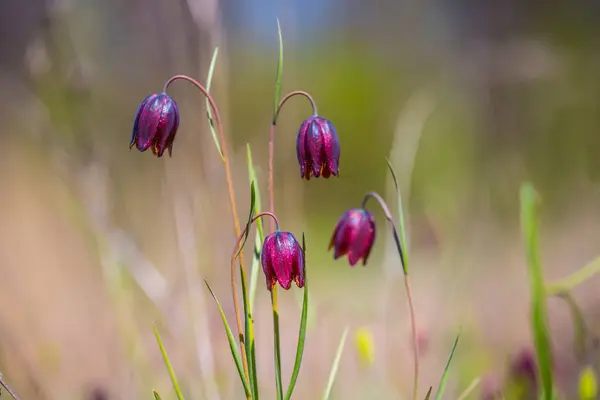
(363, 240)
(266, 261)
(331, 149)
(314, 145)
(169, 122)
(301, 147)
(282, 258)
(298, 265)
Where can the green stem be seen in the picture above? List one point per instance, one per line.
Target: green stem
(276, 344)
(575, 279)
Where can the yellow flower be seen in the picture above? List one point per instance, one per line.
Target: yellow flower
(365, 346)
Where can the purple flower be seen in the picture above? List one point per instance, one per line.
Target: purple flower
(523, 367)
(354, 235)
(318, 148)
(155, 124)
(282, 260)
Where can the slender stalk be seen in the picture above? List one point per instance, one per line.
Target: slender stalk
(272, 141)
(237, 253)
(575, 279)
(276, 341)
(409, 297)
(276, 344)
(8, 389)
(230, 188)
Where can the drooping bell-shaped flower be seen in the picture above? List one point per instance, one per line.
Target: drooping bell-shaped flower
(282, 260)
(155, 124)
(318, 148)
(354, 235)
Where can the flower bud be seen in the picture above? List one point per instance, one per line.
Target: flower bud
(155, 124)
(354, 235)
(282, 260)
(317, 148)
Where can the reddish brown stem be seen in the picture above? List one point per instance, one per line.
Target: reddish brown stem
(272, 142)
(411, 307)
(8, 389)
(231, 190)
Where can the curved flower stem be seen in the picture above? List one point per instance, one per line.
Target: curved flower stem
(411, 308)
(272, 140)
(276, 341)
(575, 279)
(230, 188)
(237, 251)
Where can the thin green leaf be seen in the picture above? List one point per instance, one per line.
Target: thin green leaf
(237, 358)
(575, 279)
(250, 216)
(335, 365)
(278, 81)
(539, 319)
(249, 340)
(428, 393)
(168, 364)
(444, 379)
(156, 395)
(209, 114)
(276, 344)
(260, 236)
(579, 326)
(401, 224)
(302, 331)
(469, 389)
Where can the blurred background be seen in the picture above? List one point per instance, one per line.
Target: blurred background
(467, 99)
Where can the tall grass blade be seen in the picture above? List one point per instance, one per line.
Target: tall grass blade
(211, 122)
(335, 366)
(278, 81)
(444, 379)
(156, 395)
(249, 341)
(580, 330)
(402, 225)
(237, 358)
(428, 395)
(539, 319)
(168, 364)
(260, 236)
(250, 216)
(301, 333)
(469, 389)
(276, 344)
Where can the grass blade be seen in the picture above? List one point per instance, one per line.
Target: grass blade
(260, 236)
(168, 364)
(302, 331)
(469, 389)
(156, 395)
(335, 366)
(237, 358)
(211, 122)
(276, 344)
(575, 279)
(249, 340)
(428, 395)
(539, 319)
(402, 226)
(580, 331)
(278, 81)
(250, 216)
(444, 379)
